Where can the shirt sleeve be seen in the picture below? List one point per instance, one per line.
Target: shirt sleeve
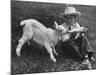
(77, 25)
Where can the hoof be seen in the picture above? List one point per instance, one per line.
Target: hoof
(56, 54)
(54, 60)
(18, 53)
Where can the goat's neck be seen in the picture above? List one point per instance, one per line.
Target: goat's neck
(57, 34)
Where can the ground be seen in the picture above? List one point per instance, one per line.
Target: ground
(34, 58)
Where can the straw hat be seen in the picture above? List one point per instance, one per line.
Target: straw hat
(71, 11)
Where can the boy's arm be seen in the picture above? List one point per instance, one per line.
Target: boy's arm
(77, 25)
(78, 34)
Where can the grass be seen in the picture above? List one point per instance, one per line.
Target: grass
(34, 58)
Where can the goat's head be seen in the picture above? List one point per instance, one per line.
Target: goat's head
(59, 28)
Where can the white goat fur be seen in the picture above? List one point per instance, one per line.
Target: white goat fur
(34, 30)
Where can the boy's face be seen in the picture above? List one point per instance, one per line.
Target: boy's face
(71, 18)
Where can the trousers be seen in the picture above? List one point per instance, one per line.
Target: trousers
(77, 48)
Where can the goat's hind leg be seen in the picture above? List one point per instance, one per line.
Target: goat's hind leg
(50, 51)
(21, 42)
(18, 49)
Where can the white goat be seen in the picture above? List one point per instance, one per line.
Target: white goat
(47, 37)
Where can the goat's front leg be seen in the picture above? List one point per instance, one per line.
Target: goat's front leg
(49, 50)
(54, 50)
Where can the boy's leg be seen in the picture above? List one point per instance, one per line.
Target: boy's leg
(88, 47)
(73, 46)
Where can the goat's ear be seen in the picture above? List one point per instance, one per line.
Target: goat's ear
(56, 24)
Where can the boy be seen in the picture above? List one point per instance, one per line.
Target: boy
(76, 40)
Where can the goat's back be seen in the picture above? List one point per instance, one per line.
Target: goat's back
(33, 22)
(44, 35)
(32, 25)
(37, 31)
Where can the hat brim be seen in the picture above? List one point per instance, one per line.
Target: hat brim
(75, 13)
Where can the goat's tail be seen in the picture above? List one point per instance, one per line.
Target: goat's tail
(22, 23)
